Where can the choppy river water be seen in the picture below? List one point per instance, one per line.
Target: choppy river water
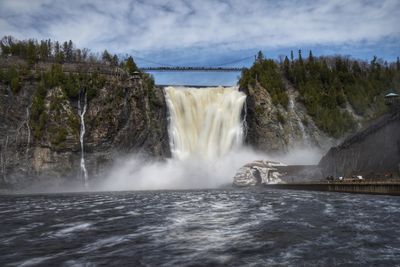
(231, 227)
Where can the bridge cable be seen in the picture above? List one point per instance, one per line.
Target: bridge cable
(154, 62)
(169, 65)
(231, 62)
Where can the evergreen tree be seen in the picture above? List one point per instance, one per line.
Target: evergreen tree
(85, 53)
(56, 48)
(130, 65)
(78, 55)
(69, 53)
(260, 56)
(300, 58)
(49, 45)
(58, 54)
(106, 57)
(310, 57)
(115, 60)
(286, 66)
(31, 52)
(43, 50)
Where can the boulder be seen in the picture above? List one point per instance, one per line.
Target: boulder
(258, 172)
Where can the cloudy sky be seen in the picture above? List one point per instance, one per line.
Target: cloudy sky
(206, 32)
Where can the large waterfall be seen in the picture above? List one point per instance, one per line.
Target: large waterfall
(204, 122)
(205, 133)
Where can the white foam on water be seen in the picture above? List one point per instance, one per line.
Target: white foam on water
(75, 228)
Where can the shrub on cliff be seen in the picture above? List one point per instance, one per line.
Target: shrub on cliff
(15, 85)
(12, 78)
(38, 115)
(266, 73)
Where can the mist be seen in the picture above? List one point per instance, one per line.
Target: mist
(134, 173)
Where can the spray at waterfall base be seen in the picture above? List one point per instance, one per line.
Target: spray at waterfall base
(206, 135)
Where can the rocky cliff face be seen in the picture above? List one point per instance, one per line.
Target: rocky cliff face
(124, 116)
(272, 128)
(373, 152)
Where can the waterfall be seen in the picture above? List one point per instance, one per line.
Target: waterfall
(305, 136)
(204, 122)
(81, 112)
(206, 127)
(29, 130)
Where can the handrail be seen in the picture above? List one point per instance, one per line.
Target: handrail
(186, 68)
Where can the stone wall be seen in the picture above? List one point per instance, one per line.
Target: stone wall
(373, 152)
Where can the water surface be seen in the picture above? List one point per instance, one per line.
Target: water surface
(232, 227)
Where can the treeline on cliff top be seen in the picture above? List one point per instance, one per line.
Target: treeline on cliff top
(54, 53)
(327, 85)
(34, 51)
(72, 83)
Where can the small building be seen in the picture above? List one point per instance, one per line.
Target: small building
(392, 99)
(136, 75)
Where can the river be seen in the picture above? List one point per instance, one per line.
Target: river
(221, 227)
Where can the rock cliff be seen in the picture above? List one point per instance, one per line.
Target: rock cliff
(272, 128)
(124, 115)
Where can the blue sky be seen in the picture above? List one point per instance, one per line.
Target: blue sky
(201, 32)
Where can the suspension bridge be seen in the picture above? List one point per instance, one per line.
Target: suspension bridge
(223, 67)
(184, 68)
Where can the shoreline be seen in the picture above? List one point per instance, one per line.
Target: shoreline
(373, 187)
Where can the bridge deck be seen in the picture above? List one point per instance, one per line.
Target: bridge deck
(192, 86)
(208, 69)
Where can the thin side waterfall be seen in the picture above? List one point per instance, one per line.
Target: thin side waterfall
(29, 130)
(206, 122)
(305, 136)
(244, 121)
(83, 172)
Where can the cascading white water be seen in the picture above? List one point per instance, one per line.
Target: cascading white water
(305, 136)
(205, 132)
(83, 172)
(204, 122)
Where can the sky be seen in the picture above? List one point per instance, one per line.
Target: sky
(210, 33)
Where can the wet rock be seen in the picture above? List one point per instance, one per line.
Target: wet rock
(273, 128)
(258, 172)
(123, 117)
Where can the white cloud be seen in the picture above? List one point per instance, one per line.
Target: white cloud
(236, 24)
